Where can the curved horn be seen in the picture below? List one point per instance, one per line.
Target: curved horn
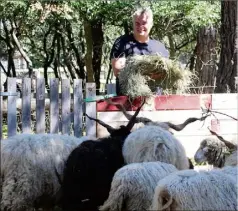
(184, 124)
(109, 128)
(129, 116)
(227, 143)
(133, 118)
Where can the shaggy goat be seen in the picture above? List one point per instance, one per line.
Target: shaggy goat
(91, 166)
(133, 185)
(27, 169)
(152, 143)
(215, 151)
(190, 190)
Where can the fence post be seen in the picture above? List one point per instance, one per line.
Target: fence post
(65, 101)
(54, 105)
(11, 107)
(78, 107)
(91, 127)
(40, 105)
(26, 105)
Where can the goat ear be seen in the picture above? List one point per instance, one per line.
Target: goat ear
(109, 128)
(133, 118)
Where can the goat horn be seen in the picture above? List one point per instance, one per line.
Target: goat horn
(109, 128)
(129, 116)
(227, 143)
(133, 118)
(184, 124)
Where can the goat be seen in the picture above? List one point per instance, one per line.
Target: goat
(91, 166)
(216, 151)
(27, 169)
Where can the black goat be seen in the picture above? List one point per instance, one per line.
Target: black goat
(90, 168)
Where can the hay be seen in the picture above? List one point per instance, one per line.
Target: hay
(135, 78)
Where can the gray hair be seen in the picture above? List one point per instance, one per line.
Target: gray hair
(141, 11)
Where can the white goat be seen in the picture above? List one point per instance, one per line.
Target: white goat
(28, 164)
(133, 185)
(204, 190)
(153, 143)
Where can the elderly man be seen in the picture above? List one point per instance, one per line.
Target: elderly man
(137, 43)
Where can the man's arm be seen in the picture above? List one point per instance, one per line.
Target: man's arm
(117, 56)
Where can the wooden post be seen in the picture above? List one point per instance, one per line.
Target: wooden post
(91, 110)
(78, 107)
(54, 105)
(26, 105)
(11, 110)
(40, 105)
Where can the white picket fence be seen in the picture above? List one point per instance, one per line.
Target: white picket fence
(65, 107)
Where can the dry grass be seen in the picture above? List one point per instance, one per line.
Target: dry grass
(144, 73)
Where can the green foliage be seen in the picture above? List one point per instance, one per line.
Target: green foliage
(178, 21)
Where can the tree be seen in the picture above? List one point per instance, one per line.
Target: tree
(228, 59)
(206, 59)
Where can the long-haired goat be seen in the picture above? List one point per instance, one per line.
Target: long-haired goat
(27, 169)
(217, 151)
(91, 166)
(214, 189)
(133, 185)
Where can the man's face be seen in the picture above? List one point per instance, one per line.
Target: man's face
(142, 25)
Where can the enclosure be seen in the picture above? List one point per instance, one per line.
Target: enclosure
(62, 111)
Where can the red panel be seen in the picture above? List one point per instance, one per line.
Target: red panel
(163, 102)
(182, 102)
(130, 106)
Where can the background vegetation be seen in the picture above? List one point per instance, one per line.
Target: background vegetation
(77, 36)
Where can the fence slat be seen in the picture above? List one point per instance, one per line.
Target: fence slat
(65, 106)
(11, 108)
(78, 110)
(54, 105)
(91, 110)
(1, 129)
(40, 105)
(111, 89)
(26, 105)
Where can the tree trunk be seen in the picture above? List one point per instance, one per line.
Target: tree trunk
(97, 37)
(22, 52)
(172, 49)
(228, 59)
(80, 69)
(205, 66)
(88, 56)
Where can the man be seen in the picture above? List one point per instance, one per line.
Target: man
(137, 43)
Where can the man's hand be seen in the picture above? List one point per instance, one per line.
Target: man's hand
(118, 64)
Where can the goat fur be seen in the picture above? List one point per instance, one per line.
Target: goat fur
(133, 186)
(89, 171)
(214, 189)
(213, 151)
(27, 169)
(153, 143)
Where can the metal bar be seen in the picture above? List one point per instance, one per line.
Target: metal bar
(10, 94)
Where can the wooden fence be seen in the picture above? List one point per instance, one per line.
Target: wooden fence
(65, 107)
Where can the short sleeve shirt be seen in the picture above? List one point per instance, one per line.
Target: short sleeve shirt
(127, 45)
